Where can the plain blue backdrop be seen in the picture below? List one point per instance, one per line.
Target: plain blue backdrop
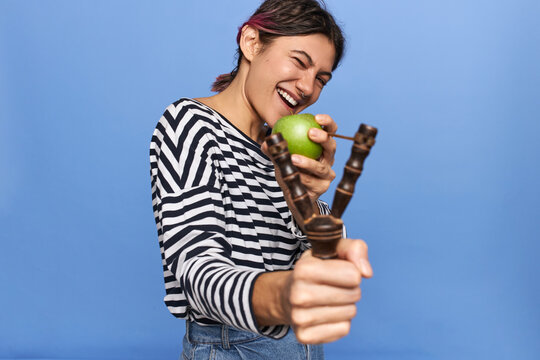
(448, 202)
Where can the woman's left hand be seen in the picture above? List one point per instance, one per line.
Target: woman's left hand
(316, 175)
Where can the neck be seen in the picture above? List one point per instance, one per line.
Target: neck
(233, 104)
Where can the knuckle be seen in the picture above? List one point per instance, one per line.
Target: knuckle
(362, 244)
(360, 247)
(354, 275)
(294, 296)
(357, 277)
(295, 317)
(298, 297)
(358, 295)
(303, 268)
(324, 136)
(299, 317)
(302, 336)
(322, 118)
(298, 273)
(306, 179)
(332, 174)
(325, 185)
(333, 145)
(297, 301)
(333, 125)
(353, 311)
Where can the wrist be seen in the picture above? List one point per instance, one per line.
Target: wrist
(270, 299)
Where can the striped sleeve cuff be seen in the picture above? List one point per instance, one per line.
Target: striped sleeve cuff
(224, 293)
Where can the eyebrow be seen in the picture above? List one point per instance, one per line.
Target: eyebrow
(310, 61)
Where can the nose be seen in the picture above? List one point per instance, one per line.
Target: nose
(306, 84)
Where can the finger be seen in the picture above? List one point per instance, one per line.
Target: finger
(304, 317)
(308, 295)
(314, 183)
(355, 251)
(320, 169)
(333, 272)
(326, 121)
(327, 142)
(314, 186)
(318, 135)
(324, 333)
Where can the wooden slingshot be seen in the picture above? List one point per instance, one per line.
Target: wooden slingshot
(323, 231)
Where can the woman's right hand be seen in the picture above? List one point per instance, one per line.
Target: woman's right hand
(320, 295)
(318, 298)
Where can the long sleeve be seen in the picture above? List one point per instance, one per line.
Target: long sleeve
(203, 279)
(198, 254)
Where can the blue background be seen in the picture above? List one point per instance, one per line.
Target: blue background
(448, 202)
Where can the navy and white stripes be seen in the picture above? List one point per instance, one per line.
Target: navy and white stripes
(221, 217)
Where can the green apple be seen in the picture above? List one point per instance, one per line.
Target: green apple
(294, 129)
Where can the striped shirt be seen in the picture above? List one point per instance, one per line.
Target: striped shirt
(221, 217)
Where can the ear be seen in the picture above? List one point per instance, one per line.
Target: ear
(249, 42)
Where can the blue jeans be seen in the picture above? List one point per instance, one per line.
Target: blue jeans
(222, 342)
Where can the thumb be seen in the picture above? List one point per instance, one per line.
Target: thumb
(355, 251)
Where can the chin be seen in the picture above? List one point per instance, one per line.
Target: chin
(272, 120)
(273, 117)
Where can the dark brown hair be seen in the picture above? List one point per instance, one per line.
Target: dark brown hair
(276, 18)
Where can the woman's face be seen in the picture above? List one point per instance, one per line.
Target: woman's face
(283, 70)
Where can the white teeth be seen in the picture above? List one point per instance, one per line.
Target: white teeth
(287, 97)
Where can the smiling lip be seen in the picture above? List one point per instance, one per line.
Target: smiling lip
(287, 98)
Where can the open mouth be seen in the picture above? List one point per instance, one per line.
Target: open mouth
(287, 99)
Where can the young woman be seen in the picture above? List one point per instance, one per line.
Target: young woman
(236, 265)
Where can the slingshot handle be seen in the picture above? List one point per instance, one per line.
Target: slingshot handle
(324, 233)
(363, 141)
(277, 146)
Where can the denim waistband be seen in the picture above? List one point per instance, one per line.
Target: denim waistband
(223, 335)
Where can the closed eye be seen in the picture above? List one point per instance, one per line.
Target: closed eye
(300, 62)
(322, 81)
